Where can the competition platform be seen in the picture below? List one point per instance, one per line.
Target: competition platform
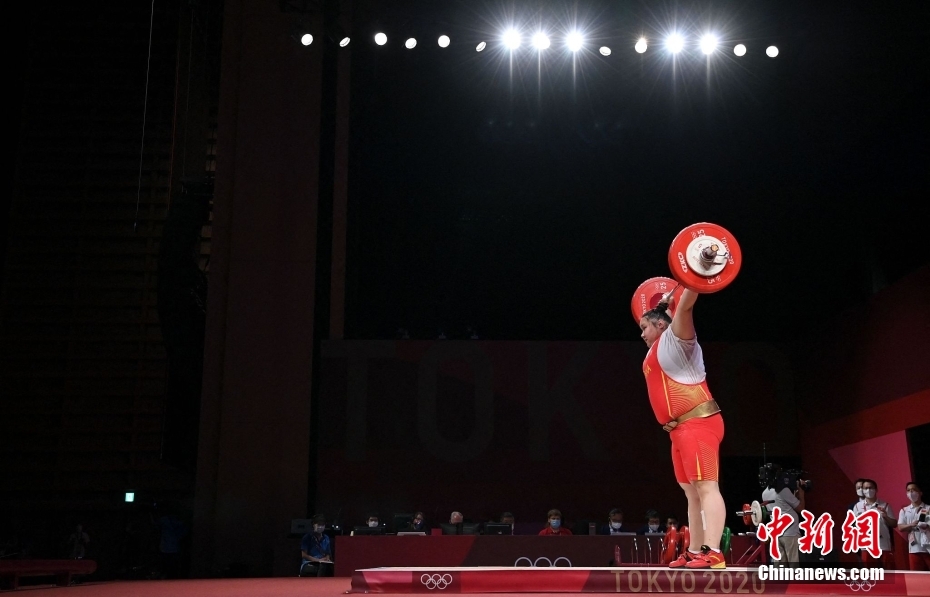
(629, 579)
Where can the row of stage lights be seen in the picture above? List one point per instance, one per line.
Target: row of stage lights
(512, 40)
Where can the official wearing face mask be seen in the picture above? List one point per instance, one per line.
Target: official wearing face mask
(885, 524)
(914, 522)
(555, 525)
(859, 495)
(418, 524)
(653, 523)
(316, 553)
(614, 524)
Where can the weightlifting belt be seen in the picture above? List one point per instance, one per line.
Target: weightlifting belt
(702, 410)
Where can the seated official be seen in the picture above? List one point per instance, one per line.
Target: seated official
(372, 526)
(671, 521)
(614, 524)
(555, 528)
(416, 525)
(652, 524)
(316, 551)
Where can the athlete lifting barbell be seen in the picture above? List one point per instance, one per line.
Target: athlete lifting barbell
(703, 258)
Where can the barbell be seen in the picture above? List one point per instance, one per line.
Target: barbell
(704, 257)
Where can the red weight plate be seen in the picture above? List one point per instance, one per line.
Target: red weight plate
(747, 518)
(671, 548)
(700, 280)
(649, 293)
(685, 538)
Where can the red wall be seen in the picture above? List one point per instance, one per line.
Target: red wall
(862, 384)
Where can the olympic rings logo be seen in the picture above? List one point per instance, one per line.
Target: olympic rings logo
(549, 563)
(436, 581)
(860, 585)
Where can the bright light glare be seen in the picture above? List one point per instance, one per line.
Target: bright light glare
(771, 51)
(675, 43)
(708, 44)
(574, 41)
(410, 43)
(481, 46)
(640, 45)
(541, 41)
(380, 39)
(306, 39)
(130, 497)
(444, 41)
(739, 50)
(344, 42)
(512, 39)
(605, 51)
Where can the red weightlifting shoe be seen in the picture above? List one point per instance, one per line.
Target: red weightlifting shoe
(685, 557)
(708, 558)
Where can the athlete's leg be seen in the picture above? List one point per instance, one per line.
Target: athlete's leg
(695, 526)
(715, 512)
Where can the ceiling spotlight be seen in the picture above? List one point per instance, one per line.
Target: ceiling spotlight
(481, 46)
(444, 41)
(674, 43)
(541, 41)
(605, 51)
(306, 39)
(344, 42)
(380, 39)
(739, 50)
(640, 45)
(512, 39)
(574, 41)
(708, 44)
(410, 43)
(771, 51)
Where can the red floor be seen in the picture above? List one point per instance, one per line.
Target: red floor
(236, 587)
(269, 587)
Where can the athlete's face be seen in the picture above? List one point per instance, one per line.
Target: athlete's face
(651, 330)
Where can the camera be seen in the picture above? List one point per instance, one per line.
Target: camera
(772, 475)
(792, 480)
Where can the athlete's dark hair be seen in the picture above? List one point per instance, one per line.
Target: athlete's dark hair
(659, 313)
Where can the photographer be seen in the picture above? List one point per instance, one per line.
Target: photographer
(785, 491)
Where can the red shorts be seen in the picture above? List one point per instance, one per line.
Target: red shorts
(696, 449)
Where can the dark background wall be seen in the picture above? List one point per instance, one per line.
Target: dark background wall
(487, 427)
(83, 365)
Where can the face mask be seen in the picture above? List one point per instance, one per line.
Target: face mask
(859, 492)
(555, 523)
(913, 496)
(869, 493)
(616, 525)
(317, 528)
(417, 523)
(653, 527)
(372, 523)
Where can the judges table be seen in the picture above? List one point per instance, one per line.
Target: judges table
(354, 553)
